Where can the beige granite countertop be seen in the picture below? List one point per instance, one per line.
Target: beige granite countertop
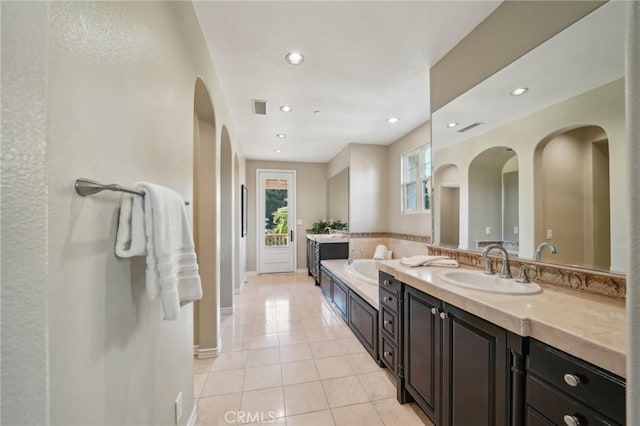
(588, 326)
(365, 290)
(325, 238)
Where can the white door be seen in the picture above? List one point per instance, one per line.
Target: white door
(276, 220)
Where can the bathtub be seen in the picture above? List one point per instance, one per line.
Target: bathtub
(364, 270)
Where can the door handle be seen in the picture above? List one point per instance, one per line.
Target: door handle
(291, 236)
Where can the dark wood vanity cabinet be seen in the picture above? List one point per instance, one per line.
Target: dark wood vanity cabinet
(459, 368)
(562, 389)
(319, 251)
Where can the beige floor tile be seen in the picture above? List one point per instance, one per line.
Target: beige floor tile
(299, 372)
(263, 404)
(262, 377)
(288, 326)
(230, 361)
(236, 330)
(378, 385)
(341, 332)
(259, 329)
(235, 343)
(350, 346)
(198, 384)
(292, 353)
(202, 366)
(394, 414)
(313, 323)
(362, 363)
(212, 410)
(325, 349)
(357, 415)
(304, 398)
(332, 367)
(344, 391)
(317, 418)
(319, 335)
(264, 341)
(292, 338)
(266, 356)
(223, 382)
(268, 421)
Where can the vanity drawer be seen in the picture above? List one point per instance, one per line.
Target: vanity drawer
(387, 282)
(559, 408)
(597, 388)
(389, 354)
(389, 323)
(390, 300)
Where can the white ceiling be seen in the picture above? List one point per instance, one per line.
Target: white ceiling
(364, 62)
(588, 54)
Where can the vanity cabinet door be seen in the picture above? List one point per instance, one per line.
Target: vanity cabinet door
(422, 350)
(475, 386)
(326, 283)
(363, 321)
(340, 297)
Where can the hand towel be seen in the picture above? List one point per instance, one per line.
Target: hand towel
(381, 252)
(425, 260)
(172, 267)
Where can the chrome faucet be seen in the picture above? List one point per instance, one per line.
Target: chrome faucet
(350, 258)
(542, 246)
(505, 272)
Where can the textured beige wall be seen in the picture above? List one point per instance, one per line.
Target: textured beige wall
(499, 40)
(114, 86)
(398, 222)
(311, 203)
(338, 196)
(339, 162)
(524, 134)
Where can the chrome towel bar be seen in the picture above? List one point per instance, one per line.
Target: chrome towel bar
(86, 187)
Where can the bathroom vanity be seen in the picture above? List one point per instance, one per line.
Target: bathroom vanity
(467, 357)
(323, 247)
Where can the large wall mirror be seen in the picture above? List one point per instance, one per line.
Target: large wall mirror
(338, 196)
(547, 165)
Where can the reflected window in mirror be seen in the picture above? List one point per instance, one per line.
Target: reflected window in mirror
(416, 180)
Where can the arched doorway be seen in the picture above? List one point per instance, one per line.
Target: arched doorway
(207, 311)
(226, 224)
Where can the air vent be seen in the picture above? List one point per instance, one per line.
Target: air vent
(470, 126)
(259, 107)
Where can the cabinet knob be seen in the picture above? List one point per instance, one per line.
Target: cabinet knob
(444, 315)
(571, 420)
(386, 322)
(387, 354)
(572, 380)
(434, 311)
(387, 299)
(386, 282)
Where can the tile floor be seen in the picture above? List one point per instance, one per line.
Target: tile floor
(288, 359)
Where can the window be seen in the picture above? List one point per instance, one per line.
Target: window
(416, 180)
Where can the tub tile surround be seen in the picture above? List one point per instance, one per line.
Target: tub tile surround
(588, 326)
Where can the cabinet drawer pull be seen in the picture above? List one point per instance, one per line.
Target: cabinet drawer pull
(387, 299)
(386, 322)
(444, 315)
(434, 311)
(386, 282)
(572, 380)
(571, 420)
(387, 354)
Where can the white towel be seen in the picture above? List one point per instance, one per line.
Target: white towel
(172, 267)
(425, 260)
(130, 238)
(381, 252)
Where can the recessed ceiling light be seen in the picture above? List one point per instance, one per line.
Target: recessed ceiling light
(295, 58)
(281, 136)
(278, 151)
(519, 91)
(452, 124)
(316, 111)
(286, 108)
(392, 120)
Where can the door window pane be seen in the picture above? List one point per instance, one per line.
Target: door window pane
(276, 213)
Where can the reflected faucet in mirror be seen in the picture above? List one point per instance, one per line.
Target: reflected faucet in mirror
(542, 246)
(505, 272)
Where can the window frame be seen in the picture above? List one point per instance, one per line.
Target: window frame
(422, 181)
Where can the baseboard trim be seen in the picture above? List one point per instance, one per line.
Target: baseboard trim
(195, 350)
(301, 270)
(194, 415)
(226, 311)
(209, 352)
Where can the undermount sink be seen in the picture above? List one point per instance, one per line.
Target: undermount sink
(478, 280)
(324, 236)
